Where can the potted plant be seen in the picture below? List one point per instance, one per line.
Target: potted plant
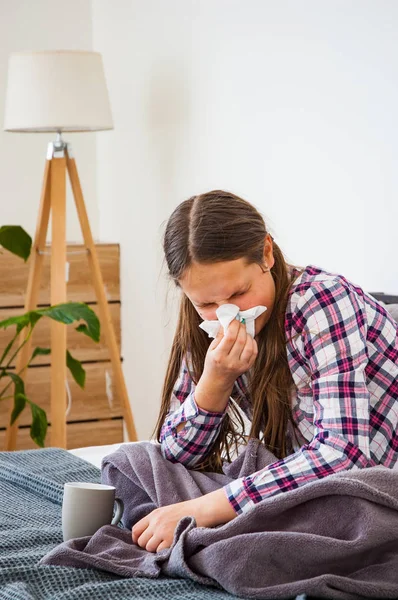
(16, 240)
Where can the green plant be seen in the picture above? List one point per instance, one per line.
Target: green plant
(15, 239)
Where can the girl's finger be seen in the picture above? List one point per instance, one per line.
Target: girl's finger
(248, 349)
(240, 342)
(144, 538)
(163, 546)
(217, 339)
(139, 528)
(229, 338)
(153, 544)
(254, 355)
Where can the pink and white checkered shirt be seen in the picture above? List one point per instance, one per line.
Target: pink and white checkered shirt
(343, 357)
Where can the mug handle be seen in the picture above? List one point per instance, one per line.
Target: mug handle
(119, 511)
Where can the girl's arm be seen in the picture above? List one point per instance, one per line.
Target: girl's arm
(332, 329)
(155, 532)
(189, 430)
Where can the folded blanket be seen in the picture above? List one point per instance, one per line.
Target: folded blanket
(336, 537)
(31, 489)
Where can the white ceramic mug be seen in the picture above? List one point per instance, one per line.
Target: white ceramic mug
(88, 506)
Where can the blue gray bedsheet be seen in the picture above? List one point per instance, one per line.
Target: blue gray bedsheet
(31, 488)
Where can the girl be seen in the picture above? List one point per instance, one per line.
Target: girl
(318, 382)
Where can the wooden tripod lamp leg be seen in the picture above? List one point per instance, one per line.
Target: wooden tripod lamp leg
(106, 319)
(32, 292)
(58, 296)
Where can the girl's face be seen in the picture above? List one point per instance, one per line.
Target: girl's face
(208, 286)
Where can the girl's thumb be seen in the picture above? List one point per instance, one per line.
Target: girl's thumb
(218, 338)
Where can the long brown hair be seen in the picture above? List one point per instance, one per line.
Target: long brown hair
(219, 226)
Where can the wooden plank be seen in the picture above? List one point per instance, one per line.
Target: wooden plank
(102, 300)
(33, 284)
(79, 435)
(14, 276)
(91, 403)
(58, 296)
(80, 346)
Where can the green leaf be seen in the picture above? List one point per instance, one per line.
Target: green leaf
(66, 313)
(19, 404)
(69, 312)
(38, 428)
(21, 321)
(75, 367)
(40, 352)
(19, 385)
(83, 329)
(8, 348)
(15, 239)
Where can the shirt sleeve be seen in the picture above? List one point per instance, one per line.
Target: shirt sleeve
(190, 445)
(329, 324)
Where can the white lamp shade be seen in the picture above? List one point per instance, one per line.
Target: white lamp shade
(61, 90)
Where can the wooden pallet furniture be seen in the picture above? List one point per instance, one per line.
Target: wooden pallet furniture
(95, 414)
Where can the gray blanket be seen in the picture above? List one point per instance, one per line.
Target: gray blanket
(31, 489)
(336, 537)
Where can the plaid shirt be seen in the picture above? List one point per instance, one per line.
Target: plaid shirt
(342, 348)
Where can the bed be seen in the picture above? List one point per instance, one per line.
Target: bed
(31, 489)
(95, 454)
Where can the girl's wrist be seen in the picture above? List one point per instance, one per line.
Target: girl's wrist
(212, 396)
(212, 509)
(215, 385)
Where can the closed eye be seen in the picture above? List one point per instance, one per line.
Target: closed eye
(234, 296)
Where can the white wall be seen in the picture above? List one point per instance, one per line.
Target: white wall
(42, 25)
(291, 104)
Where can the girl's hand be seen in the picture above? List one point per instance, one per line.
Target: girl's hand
(230, 355)
(155, 532)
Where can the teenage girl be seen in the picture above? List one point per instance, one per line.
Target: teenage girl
(318, 382)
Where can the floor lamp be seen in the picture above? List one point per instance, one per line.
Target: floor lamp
(61, 91)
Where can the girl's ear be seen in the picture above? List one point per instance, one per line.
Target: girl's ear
(268, 256)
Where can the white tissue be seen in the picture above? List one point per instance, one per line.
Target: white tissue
(227, 313)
